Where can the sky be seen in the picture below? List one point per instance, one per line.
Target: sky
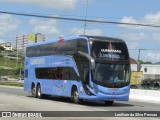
(147, 39)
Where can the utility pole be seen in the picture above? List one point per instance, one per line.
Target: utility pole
(17, 51)
(21, 54)
(139, 52)
(138, 63)
(85, 22)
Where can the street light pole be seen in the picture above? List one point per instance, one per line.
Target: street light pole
(138, 63)
(85, 22)
(139, 54)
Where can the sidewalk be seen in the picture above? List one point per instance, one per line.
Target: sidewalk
(152, 96)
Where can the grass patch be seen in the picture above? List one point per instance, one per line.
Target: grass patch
(11, 67)
(1, 67)
(17, 84)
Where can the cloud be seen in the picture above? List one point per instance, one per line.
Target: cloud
(133, 36)
(133, 45)
(8, 23)
(1, 41)
(133, 40)
(53, 4)
(153, 57)
(45, 26)
(132, 21)
(150, 19)
(77, 31)
(156, 36)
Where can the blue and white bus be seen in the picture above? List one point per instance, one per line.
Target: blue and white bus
(80, 67)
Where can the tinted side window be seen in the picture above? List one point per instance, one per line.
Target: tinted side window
(57, 48)
(26, 73)
(66, 73)
(59, 73)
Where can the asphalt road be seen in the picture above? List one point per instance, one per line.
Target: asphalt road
(15, 99)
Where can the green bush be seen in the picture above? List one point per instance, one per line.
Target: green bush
(1, 56)
(12, 55)
(5, 72)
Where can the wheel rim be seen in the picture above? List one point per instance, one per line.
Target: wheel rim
(39, 91)
(75, 97)
(33, 91)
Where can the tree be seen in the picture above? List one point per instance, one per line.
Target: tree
(2, 48)
(148, 62)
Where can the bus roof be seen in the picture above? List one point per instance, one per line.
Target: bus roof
(55, 40)
(103, 38)
(74, 37)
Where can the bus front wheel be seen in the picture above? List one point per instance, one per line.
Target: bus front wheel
(109, 103)
(75, 96)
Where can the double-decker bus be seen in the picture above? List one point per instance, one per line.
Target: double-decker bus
(80, 67)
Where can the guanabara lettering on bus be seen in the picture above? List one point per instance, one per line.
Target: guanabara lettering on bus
(79, 67)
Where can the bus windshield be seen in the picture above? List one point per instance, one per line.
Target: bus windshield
(110, 73)
(109, 50)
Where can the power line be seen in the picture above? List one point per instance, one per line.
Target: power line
(76, 30)
(77, 19)
(145, 49)
(98, 17)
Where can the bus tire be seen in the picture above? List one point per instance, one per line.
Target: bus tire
(33, 91)
(39, 93)
(75, 96)
(109, 103)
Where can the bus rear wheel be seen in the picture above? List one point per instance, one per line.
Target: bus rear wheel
(75, 96)
(39, 93)
(109, 103)
(33, 91)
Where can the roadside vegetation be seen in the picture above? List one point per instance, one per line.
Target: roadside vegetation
(17, 84)
(11, 69)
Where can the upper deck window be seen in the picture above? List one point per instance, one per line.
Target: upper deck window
(68, 47)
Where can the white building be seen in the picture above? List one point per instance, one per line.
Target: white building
(150, 71)
(7, 46)
(23, 40)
